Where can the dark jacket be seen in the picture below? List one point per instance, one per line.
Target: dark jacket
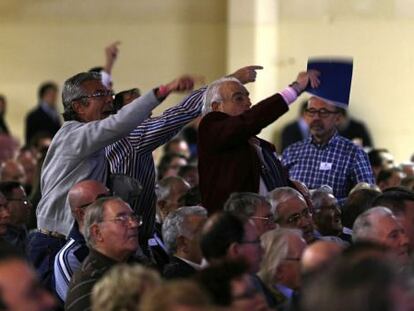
(39, 121)
(227, 161)
(178, 269)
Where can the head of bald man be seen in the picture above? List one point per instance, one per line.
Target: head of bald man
(83, 194)
(319, 254)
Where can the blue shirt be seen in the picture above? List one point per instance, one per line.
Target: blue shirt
(339, 164)
(132, 155)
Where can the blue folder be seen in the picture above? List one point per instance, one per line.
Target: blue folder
(336, 77)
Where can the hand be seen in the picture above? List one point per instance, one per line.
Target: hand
(246, 74)
(308, 77)
(111, 53)
(183, 83)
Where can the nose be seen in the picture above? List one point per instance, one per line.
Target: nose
(404, 241)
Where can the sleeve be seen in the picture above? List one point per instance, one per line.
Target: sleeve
(227, 131)
(154, 132)
(362, 168)
(95, 135)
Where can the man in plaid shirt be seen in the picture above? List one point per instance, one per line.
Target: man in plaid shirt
(325, 158)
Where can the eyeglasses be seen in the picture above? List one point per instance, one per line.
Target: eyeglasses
(295, 218)
(322, 113)
(24, 201)
(98, 95)
(269, 220)
(125, 219)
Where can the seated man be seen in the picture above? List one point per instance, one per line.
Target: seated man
(380, 225)
(169, 191)
(231, 157)
(111, 233)
(181, 232)
(70, 257)
(326, 158)
(19, 285)
(254, 207)
(280, 267)
(291, 211)
(20, 209)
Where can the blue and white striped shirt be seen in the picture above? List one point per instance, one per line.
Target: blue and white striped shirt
(132, 155)
(340, 164)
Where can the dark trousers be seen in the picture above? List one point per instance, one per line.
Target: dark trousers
(41, 252)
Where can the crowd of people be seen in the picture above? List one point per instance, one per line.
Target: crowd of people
(90, 221)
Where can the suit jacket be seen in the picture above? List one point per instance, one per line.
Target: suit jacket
(39, 121)
(178, 269)
(227, 161)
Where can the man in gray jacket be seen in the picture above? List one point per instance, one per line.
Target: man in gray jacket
(77, 153)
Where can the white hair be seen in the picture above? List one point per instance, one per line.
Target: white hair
(213, 94)
(174, 225)
(281, 195)
(365, 225)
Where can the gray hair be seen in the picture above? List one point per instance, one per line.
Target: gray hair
(281, 195)
(244, 203)
(72, 89)
(319, 195)
(364, 226)
(174, 225)
(275, 245)
(213, 94)
(94, 214)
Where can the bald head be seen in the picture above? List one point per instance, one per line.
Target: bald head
(85, 192)
(12, 170)
(318, 254)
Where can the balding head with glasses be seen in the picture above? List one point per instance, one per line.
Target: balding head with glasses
(291, 211)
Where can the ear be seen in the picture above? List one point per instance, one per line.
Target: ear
(182, 244)
(96, 234)
(234, 250)
(215, 106)
(79, 107)
(280, 272)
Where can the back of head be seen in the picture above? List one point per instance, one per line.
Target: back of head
(319, 254)
(122, 287)
(358, 202)
(365, 226)
(220, 231)
(172, 295)
(394, 199)
(72, 89)
(243, 203)
(360, 286)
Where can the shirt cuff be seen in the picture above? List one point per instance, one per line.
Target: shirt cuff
(106, 79)
(289, 95)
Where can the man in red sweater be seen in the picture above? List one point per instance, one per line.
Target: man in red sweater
(231, 157)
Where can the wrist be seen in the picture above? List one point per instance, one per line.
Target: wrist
(297, 87)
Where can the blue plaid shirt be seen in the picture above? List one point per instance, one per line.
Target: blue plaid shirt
(340, 164)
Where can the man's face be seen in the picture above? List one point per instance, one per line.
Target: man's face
(194, 224)
(175, 165)
(407, 221)
(50, 97)
(97, 107)
(291, 273)
(235, 99)
(19, 206)
(294, 213)
(118, 232)
(322, 124)
(180, 147)
(263, 218)
(328, 216)
(4, 215)
(250, 248)
(20, 289)
(245, 296)
(391, 233)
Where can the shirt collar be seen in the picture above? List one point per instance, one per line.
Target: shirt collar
(190, 263)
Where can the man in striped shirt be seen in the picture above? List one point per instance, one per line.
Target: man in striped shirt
(132, 155)
(71, 256)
